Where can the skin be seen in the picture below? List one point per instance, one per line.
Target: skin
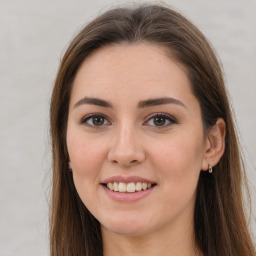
(127, 142)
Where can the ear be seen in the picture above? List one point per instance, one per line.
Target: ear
(214, 145)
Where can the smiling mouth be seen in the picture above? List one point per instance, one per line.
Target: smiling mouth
(131, 187)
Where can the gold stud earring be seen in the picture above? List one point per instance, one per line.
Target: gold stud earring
(210, 169)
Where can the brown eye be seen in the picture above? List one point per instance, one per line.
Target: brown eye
(95, 120)
(160, 120)
(98, 120)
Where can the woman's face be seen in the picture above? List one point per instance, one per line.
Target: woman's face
(135, 139)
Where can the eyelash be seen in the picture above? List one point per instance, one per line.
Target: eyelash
(89, 117)
(165, 118)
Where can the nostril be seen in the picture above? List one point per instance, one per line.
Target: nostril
(125, 162)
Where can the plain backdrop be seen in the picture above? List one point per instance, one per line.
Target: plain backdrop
(33, 37)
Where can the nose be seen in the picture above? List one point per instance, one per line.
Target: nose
(126, 148)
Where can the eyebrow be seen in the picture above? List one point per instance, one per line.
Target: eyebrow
(159, 101)
(141, 104)
(93, 101)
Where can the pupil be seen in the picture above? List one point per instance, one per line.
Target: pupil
(159, 121)
(98, 120)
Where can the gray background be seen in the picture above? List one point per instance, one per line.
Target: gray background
(33, 37)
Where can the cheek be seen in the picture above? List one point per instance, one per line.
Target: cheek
(178, 160)
(86, 157)
(177, 165)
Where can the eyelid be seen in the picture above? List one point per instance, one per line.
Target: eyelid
(170, 118)
(87, 117)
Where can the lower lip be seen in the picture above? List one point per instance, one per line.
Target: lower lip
(128, 197)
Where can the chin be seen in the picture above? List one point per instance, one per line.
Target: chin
(127, 226)
(127, 231)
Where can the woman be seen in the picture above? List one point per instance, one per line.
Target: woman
(145, 155)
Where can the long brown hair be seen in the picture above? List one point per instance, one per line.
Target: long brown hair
(219, 218)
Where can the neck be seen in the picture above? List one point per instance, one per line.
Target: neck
(178, 240)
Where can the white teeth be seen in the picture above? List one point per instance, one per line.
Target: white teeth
(115, 186)
(110, 186)
(138, 186)
(144, 186)
(122, 187)
(130, 187)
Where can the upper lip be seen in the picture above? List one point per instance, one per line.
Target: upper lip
(127, 179)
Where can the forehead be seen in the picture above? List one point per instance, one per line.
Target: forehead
(135, 70)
